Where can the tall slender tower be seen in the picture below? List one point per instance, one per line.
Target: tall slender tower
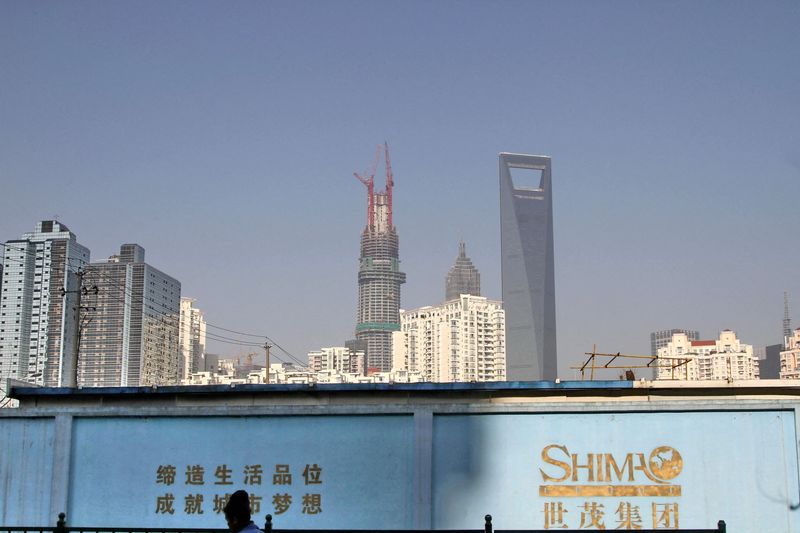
(526, 248)
(463, 277)
(379, 276)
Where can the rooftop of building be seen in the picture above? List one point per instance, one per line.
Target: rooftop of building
(524, 155)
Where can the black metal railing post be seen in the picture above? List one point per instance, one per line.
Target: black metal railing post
(61, 525)
(269, 527)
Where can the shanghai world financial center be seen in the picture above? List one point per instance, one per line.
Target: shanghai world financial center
(526, 236)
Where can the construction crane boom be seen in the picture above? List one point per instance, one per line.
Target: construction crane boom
(389, 185)
(368, 179)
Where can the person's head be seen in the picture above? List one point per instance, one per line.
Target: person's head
(237, 510)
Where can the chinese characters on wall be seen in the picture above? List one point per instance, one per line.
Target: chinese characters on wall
(195, 489)
(603, 491)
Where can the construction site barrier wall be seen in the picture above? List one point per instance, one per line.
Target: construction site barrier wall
(360, 462)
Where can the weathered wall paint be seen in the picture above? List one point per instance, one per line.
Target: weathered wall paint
(26, 470)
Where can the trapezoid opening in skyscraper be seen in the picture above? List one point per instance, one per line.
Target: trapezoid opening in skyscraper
(379, 276)
(526, 248)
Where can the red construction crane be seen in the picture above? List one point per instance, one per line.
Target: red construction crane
(389, 185)
(369, 181)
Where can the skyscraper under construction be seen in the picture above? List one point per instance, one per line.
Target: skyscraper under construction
(379, 276)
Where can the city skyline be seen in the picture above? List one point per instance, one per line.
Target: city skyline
(678, 173)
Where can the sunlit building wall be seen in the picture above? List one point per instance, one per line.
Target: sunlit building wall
(790, 357)
(191, 338)
(459, 340)
(37, 320)
(725, 358)
(339, 358)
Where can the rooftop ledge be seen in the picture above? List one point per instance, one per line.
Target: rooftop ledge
(23, 391)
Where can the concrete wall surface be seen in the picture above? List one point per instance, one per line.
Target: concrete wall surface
(369, 460)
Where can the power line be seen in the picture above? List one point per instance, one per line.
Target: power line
(237, 332)
(104, 278)
(226, 340)
(151, 303)
(237, 341)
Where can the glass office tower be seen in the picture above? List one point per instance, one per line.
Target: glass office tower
(526, 239)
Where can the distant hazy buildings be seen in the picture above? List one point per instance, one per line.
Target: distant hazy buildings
(289, 374)
(660, 339)
(787, 322)
(526, 234)
(379, 276)
(769, 362)
(339, 358)
(131, 336)
(790, 357)
(463, 277)
(726, 358)
(37, 320)
(191, 338)
(210, 362)
(459, 340)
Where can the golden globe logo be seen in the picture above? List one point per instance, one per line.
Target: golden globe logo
(566, 474)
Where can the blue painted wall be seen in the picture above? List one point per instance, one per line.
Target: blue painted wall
(26, 470)
(737, 466)
(364, 465)
(740, 466)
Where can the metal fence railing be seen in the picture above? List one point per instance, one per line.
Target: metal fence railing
(61, 527)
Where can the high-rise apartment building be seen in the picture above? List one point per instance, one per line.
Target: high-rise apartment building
(130, 338)
(339, 358)
(659, 339)
(379, 276)
(790, 357)
(459, 340)
(528, 277)
(726, 358)
(37, 318)
(463, 277)
(191, 338)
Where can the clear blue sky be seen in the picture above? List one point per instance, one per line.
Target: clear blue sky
(222, 137)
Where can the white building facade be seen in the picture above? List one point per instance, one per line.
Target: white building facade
(461, 340)
(37, 320)
(726, 358)
(289, 374)
(191, 338)
(339, 358)
(790, 358)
